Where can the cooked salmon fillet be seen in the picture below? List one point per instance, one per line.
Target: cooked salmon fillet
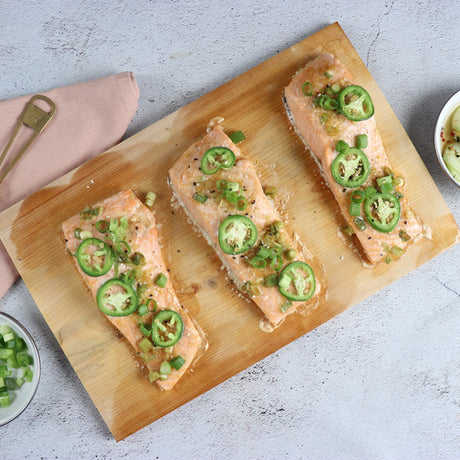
(141, 237)
(187, 179)
(321, 129)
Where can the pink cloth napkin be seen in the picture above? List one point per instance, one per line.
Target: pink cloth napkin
(90, 118)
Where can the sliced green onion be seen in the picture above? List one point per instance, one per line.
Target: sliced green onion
(161, 280)
(276, 263)
(231, 196)
(355, 209)
(361, 141)
(271, 280)
(77, 233)
(258, 262)
(102, 226)
(84, 234)
(369, 191)
(270, 191)
(242, 203)
(153, 375)
(284, 307)
(4, 371)
(149, 304)
(233, 186)
(221, 184)
(341, 146)
(177, 362)
(329, 74)
(404, 236)
(146, 330)
(397, 251)
(330, 104)
(237, 136)
(359, 221)
(335, 88)
(145, 345)
(385, 183)
(397, 181)
(24, 359)
(200, 197)
(388, 171)
(150, 199)
(357, 196)
(290, 254)
(307, 88)
(138, 259)
(264, 252)
(347, 229)
(142, 309)
(123, 247)
(165, 368)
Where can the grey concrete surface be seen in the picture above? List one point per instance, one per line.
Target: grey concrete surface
(380, 381)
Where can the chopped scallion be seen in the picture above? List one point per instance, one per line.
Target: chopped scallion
(307, 88)
(150, 199)
(341, 146)
(355, 209)
(237, 136)
(242, 203)
(385, 183)
(200, 197)
(361, 141)
(284, 307)
(177, 362)
(271, 280)
(359, 221)
(357, 196)
(270, 191)
(161, 280)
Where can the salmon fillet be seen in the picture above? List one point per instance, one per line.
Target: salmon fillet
(141, 237)
(187, 179)
(321, 129)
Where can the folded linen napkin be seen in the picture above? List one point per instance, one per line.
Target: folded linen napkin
(90, 118)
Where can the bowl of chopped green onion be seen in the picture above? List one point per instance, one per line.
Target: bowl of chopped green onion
(19, 368)
(447, 139)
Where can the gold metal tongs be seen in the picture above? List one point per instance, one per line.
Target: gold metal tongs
(34, 117)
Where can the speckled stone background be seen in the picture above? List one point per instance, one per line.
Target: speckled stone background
(381, 381)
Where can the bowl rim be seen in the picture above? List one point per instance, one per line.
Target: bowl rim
(448, 107)
(37, 368)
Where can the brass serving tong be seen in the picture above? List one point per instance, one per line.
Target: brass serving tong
(34, 117)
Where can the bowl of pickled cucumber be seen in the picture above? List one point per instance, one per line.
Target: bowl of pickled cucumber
(447, 138)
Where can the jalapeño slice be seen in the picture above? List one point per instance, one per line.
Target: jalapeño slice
(216, 158)
(117, 298)
(94, 257)
(167, 328)
(382, 211)
(351, 168)
(355, 103)
(297, 281)
(237, 234)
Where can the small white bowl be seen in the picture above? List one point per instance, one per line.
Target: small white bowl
(448, 108)
(26, 392)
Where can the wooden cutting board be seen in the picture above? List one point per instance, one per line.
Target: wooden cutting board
(252, 103)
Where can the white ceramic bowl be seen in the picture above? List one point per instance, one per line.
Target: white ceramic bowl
(448, 108)
(26, 392)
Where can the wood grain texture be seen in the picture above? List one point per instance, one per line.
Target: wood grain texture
(31, 232)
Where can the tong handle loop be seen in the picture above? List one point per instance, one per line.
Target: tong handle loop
(34, 117)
